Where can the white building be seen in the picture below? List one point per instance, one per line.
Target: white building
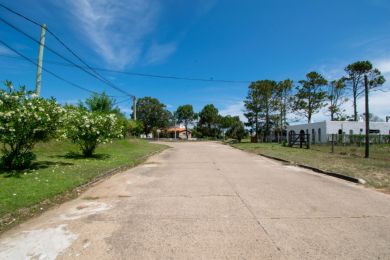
(319, 131)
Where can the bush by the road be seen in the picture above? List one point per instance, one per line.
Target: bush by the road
(88, 129)
(25, 120)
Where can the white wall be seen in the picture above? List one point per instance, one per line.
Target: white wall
(333, 127)
(308, 128)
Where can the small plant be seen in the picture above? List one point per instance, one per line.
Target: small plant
(88, 129)
(25, 119)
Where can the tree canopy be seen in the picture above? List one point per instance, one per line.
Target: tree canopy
(152, 114)
(310, 96)
(208, 121)
(259, 105)
(185, 114)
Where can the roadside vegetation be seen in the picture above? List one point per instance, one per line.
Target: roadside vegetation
(60, 168)
(347, 160)
(48, 150)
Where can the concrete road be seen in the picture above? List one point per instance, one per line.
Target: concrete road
(210, 201)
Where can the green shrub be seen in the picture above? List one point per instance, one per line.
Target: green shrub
(88, 129)
(25, 120)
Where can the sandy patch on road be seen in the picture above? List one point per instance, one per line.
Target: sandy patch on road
(32, 244)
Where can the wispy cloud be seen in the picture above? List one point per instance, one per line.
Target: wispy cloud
(383, 65)
(234, 109)
(6, 51)
(116, 29)
(157, 53)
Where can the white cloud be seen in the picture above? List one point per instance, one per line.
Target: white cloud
(383, 65)
(5, 51)
(157, 53)
(379, 106)
(116, 29)
(235, 109)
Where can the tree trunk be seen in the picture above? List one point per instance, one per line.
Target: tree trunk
(355, 116)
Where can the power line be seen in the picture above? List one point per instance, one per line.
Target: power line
(48, 71)
(123, 72)
(64, 58)
(122, 101)
(147, 75)
(20, 15)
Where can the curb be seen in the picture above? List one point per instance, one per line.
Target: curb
(41, 207)
(332, 174)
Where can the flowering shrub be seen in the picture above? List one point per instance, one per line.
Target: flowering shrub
(88, 129)
(25, 119)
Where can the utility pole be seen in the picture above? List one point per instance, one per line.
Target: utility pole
(40, 57)
(367, 115)
(134, 108)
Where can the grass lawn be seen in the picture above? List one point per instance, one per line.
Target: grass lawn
(346, 160)
(57, 171)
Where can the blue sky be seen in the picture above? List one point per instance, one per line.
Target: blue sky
(229, 40)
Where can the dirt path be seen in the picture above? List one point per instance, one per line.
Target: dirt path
(210, 201)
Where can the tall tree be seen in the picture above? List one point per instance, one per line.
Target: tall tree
(259, 105)
(234, 127)
(101, 103)
(355, 79)
(282, 102)
(208, 120)
(152, 114)
(372, 79)
(310, 96)
(185, 114)
(336, 98)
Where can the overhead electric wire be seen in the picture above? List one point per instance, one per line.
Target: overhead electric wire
(122, 101)
(64, 58)
(106, 81)
(48, 71)
(19, 14)
(146, 75)
(122, 72)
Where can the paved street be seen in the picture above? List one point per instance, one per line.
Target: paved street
(210, 201)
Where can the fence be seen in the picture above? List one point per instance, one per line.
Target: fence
(344, 139)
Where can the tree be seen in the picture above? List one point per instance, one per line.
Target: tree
(336, 98)
(225, 122)
(372, 79)
(355, 78)
(310, 96)
(237, 131)
(185, 114)
(259, 105)
(282, 102)
(208, 120)
(152, 114)
(101, 103)
(234, 127)
(135, 127)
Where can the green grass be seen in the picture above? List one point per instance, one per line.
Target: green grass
(57, 171)
(346, 160)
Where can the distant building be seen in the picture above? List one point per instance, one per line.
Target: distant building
(320, 131)
(179, 132)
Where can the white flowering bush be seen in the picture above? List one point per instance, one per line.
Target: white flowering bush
(25, 119)
(88, 129)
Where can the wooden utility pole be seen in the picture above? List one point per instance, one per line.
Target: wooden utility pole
(367, 115)
(40, 57)
(134, 108)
